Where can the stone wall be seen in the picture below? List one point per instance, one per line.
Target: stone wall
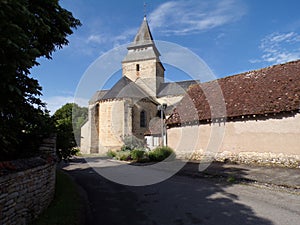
(85, 141)
(149, 76)
(89, 139)
(250, 158)
(150, 110)
(121, 118)
(260, 141)
(27, 187)
(111, 125)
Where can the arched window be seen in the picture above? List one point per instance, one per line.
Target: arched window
(143, 119)
(137, 67)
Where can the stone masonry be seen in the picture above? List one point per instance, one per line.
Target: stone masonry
(27, 187)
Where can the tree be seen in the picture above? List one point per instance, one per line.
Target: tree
(29, 29)
(68, 121)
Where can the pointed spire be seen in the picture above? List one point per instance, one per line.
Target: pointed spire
(143, 46)
(144, 35)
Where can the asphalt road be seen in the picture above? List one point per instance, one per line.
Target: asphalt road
(181, 200)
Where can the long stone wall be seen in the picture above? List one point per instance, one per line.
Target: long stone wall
(27, 187)
(271, 141)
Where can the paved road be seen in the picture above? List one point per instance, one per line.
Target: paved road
(182, 200)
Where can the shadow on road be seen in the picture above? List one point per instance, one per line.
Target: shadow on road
(179, 200)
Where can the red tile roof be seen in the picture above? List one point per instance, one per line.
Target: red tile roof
(273, 89)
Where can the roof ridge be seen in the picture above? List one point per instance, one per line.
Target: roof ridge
(258, 70)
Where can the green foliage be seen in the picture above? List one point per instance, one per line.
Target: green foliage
(160, 153)
(79, 117)
(141, 155)
(123, 155)
(126, 148)
(137, 154)
(64, 128)
(29, 29)
(67, 153)
(231, 179)
(111, 154)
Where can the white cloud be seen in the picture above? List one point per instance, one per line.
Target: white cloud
(56, 102)
(96, 38)
(124, 37)
(180, 17)
(92, 44)
(279, 48)
(186, 17)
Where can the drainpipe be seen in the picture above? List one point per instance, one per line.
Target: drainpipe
(162, 108)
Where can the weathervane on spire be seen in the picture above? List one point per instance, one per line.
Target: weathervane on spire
(145, 9)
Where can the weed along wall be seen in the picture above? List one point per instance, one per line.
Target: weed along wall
(27, 186)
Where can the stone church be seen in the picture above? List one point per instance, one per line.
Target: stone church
(133, 106)
(261, 121)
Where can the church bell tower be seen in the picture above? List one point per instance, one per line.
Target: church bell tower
(142, 64)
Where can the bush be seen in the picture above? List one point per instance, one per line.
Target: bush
(111, 154)
(137, 154)
(125, 148)
(67, 153)
(160, 153)
(141, 155)
(123, 155)
(64, 128)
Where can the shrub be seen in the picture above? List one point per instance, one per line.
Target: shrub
(160, 153)
(125, 148)
(111, 154)
(66, 154)
(137, 154)
(123, 155)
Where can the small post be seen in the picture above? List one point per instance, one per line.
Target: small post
(162, 108)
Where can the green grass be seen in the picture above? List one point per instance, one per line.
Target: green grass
(66, 206)
(231, 179)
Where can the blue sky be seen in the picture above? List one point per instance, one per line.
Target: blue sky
(231, 36)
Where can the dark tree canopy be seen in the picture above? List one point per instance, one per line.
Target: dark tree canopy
(29, 29)
(68, 121)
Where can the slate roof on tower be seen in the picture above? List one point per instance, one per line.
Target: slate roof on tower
(143, 46)
(143, 36)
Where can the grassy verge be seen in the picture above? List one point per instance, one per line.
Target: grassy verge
(66, 205)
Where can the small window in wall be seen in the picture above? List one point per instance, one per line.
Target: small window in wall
(143, 119)
(137, 67)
